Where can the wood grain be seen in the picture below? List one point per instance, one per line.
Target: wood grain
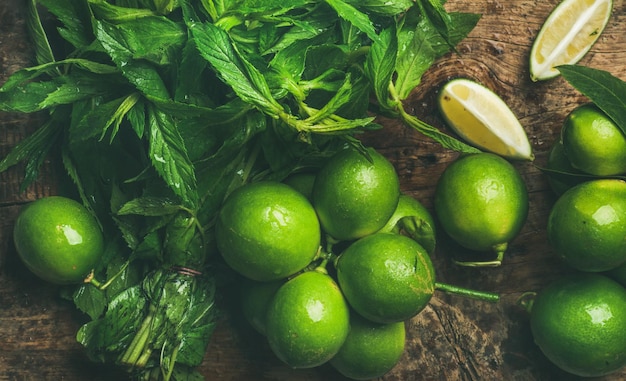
(453, 338)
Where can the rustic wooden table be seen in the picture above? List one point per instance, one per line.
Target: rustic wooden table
(453, 338)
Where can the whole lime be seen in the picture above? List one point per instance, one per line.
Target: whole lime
(370, 350)
(587, 225)
(411, 218)
(255, 300)
(578, 323)
(593, 143)
(386, 277)
(308, 320)
(564, 176)
(267, 231)
(618, 274)
(481, 202)
(355, 193)
(302, 182)
(58, 239)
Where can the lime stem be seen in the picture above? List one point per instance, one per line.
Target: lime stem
(474, 294)
(493, 263)
(526, 300)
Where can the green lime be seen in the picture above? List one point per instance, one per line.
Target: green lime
(578, 323)
(267, 231)
(255, 300)
(411, 218)
(370, 350)
(302, 182)
(618, 274)
(481, 202)
(308, 320)
(386, 277)
(586, 226)
(567, 175)
(58, 239)
(593, 143)
(354, 194)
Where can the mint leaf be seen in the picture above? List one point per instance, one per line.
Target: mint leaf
(246, 81)
(381, 64)
(601, 87)
(354, 17)
(169, 157)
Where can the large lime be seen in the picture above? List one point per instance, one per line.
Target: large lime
(354, 194)
(58, 239)
(587, 225)
(578, 322)
(370, 350)
(267, 231)
(593, 143)
(481, 202)
(308, 320)
(386, 277)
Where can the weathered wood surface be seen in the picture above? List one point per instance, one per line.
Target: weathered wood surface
(453, 338)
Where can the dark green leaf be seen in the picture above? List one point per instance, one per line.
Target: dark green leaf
(150, 206)
(90, 300)
(43, 51)
(380, 66)
(74, 19)
(355, 17)
(169, 157)
(602, 88)
(248, 83)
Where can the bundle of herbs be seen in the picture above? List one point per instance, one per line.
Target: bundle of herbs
(158, 109)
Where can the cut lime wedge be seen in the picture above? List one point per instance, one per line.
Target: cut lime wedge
(480, 117)
(567, 35)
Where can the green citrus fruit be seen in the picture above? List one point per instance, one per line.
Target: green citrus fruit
(255, 300)
(618, 274)
(267, 231)
(414, 220)
(593, 143)
(578, 323)
(481, 202)
(370, 350)
(355, 195)
(386, 277)
(302, 182)
(307, 320)
(58, 239)
(568, 176)
(587, 225)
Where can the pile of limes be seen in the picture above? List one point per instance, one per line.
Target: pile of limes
(579, 320)
(334, 262)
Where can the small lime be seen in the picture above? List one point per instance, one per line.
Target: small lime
(302, 182)
(308, 320)
(593, 143)
(567, 175)
(255, 300)
(481, 202)
(355, 195)
(386, 277)
(578, 322)
(370, 350)
(412, 219)
(267, 231)
(587, 225)
(58, 239)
